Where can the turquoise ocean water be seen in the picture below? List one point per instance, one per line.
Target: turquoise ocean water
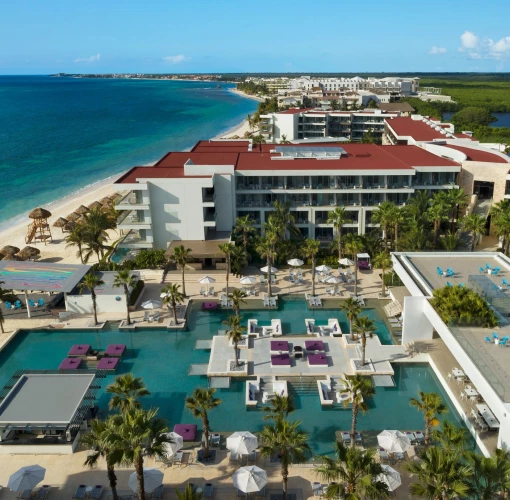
(58, 135)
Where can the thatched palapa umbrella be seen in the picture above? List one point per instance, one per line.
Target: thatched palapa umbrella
(8, 250)
(95, 204)
(60, 222)
(81, 219)
(106, 201)
(73, 217)
(39, 213)
(82, 209)
(29, 253)
(69, 226)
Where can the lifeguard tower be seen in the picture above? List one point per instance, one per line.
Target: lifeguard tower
(39, 229)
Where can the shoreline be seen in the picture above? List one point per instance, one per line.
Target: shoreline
(247, 96)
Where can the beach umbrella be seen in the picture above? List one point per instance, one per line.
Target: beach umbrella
(152, 478)
(250, 479)
(248, 280)
(27, 478)
(345, 262)
(81, 219)
(242, 443)
(175, 445)
(95, 204)
(265, 269)
(206, 280)
(107, 200)
(393, 441)
(73, 217)
(39, 213)
(163, 295)
(323, 269)
(60, 222)
(295, 262)
(391, 477)
(333, 280)
(151, 304)
(9, 250)
(29, 252)
(69, 226)
(82, 209)
(11, 256)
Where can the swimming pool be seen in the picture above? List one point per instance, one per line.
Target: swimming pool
(163, 357)
(119, 254)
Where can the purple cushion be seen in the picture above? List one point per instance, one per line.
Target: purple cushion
(187, 431)
(108, 364)
(70, 364)
(79, 350)
(279, 345)
(280, 360)
(115, 350)
(314, 345)
(209, 305)
(317, 359)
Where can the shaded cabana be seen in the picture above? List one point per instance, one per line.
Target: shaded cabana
(61, 223)
(73, 217)
(106, 201)
(95, 204)
(82, 209)
(29, 253)
(8, 250)
(39, 229)
(69, 226)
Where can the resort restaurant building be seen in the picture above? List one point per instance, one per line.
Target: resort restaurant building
(197, 195)
(471, 362)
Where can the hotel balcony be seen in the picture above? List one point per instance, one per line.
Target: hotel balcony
(209, 218)
(137, 238)
(133, 219)
(134, 200)
(208, 197)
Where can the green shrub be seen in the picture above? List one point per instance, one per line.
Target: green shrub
(150, 259)
(137, 290)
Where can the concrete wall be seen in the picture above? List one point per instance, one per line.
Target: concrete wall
(285, 124)
(480, 171)
(224, 191)
(105, 303)
(415, 324)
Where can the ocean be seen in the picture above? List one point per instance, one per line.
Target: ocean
(60, 135)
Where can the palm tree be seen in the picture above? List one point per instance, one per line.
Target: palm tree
(90, 282)
(244, 225)
(338, 218)
(101, 439)
(383, 261)
(457, 199)
(450, 241)
(266, 251)
(353, 473)
(382, 216)
(491, 475)
(284, 218)
(181, 257)
(431, 405)
(124, 279)
(238, 260)
(279, 407)
(474, 224)
(364, 326)
(199, 404)
(258, 139)
(353, 309)
(227, 249)
(358, 389)
(354, 245)
(417, 207)
(234, 333)
(249, 120)
(286, 441)
(438, 212)
(94, 244)
(396, 219)
(450, 437)
(237, 298)
(441, 475)
(126, 391)
(310, 250)
(141, 434)
(500, 213)
(284, 140)
(76, 238)
(189, 492)
(173, 297)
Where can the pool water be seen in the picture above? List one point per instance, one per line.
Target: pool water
(163, 357)
(119, 254)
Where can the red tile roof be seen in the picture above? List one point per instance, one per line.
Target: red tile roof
(178, 159)
(478, 155)
(417, 129)
(293, 111)
(463, 136)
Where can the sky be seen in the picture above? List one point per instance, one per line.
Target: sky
(206, 36)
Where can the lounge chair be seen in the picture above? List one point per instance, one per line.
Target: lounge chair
(155, 318)
(215, 439)
(262, 280)
(211, 291)
(383, 454)
(157, 493)
(40, 302)
(202, 290)
(208, 491)
(146, 316)
(8, 305)
(261, 493)
(80, 492)
(25, 495)
(292, 279)
(419, 437)
(42, 492)
(357, 438)
(224, 301)
(233, 457)
(252, 458)
(97, 491)
(272, 301)
(346, 437)
(266, 301)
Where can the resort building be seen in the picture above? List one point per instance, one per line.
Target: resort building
(197, 195)
(471, 362)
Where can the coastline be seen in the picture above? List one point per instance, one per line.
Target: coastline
(247, 96)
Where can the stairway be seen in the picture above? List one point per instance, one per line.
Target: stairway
(302, 386)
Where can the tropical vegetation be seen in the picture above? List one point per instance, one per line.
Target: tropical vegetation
(90, 282)
(431, 405)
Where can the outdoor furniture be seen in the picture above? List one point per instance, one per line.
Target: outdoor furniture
(279, 346)
(458, 374)
(40, 302)
(109, 364)
(383, 454)
(471, 393)
(96, 492)
(317, 360)
(208, 491)
(78, 350)
(280, 359)
(187, 431)
(488, 416)
(70, 364)
(80, 492)
(115, 350)
(314, 345)
(25, 495)
(215, 439)
(42, 492)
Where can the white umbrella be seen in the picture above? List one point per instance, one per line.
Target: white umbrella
(265, 269)
(323, 269)
(295, 262)
(345, 262)
(163, 295)
(152, 478)
(151, 304)
(250, 479)
(242, 443)
(26, 478)
(206, 280)
(333, 280)
(393, 441)
(177, 442)
(248, 280)
(391, 478)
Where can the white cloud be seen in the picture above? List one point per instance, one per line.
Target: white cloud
(437, 50)
(468, 40)
(176, 59)
(484, 48)
(91, 59)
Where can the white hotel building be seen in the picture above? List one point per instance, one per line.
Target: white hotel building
(392, 84)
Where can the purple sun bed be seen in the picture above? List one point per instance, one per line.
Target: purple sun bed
(280, 360)
(209, 306)
(78, 350)
(70, 364)
(279, 345)
(187, 431)
(317, 360)
(314, 345)
(108, 364)
(115, 350)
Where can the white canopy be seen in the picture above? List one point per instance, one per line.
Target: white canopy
(323, 269)
(152, 478)
(250, 479)
(363, 256)
(242, 443)
(151, 304)
(393, 441)
(265, 269)
(26, 478)
(163, 295)
(391, 478)
(333, 280)
(248, 280)
(206, 280)
(177, 442)
(345, 262)
(295, 262)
